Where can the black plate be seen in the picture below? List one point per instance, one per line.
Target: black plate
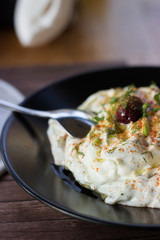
(27, 156)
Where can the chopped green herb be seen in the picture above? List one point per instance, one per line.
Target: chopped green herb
(145, 130)
(92, 134)
(97, 141)
(144, 115)
(144, 159)
(112, 150)
(97, 119)
(135, 129)
(124, 139)
(158, 143)
(117, 129)
(81, 153)
(156, 98)
(154, 110)
(125, 98)
(110, 117)
(114, 108)
(113, 100)
(103, 105)
(152, 175)
(77, 150)
(147, 152)
(125, 143)
(112, 131)
(144, 108)
(129, 90)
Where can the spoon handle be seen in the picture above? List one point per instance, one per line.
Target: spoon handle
(56, 114)
(76, 123)
(20, 109)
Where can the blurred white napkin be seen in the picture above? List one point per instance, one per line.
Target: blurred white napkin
(37, 22)
(10, 94)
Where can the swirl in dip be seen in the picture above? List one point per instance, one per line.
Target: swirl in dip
(120, 156)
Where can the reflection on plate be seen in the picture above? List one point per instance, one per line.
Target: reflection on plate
(26, 149)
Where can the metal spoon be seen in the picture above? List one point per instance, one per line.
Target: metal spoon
(77, 123)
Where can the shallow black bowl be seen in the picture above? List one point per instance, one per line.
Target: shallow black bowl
(26, 150)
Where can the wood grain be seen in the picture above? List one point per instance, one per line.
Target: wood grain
(31, 79)
(103, 31)
(21, 215)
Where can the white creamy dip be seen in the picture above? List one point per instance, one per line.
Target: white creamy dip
(119, 161)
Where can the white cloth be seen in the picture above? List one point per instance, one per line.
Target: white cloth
(10, 94)
(37, 22)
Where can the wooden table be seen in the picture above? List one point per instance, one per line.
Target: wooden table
(24, 217)
(105, 31)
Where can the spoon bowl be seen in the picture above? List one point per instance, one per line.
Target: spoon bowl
(77, 123)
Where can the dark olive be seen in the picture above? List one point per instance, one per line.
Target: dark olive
(130, 109)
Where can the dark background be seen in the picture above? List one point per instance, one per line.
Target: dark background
(6, 13)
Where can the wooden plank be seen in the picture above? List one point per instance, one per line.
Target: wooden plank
(28, 211)
(106, 30)
(11, 191)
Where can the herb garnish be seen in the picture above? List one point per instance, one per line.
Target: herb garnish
(114, 130)
(129, 91)
(77, 150)
(125, 98)
(144, 108)
(92, 134)
(97, 141)
(144, 115)
(97, 119)
(145, 128)
(156, 98)
(112, 150)
(125, 143)
(81, 153)
(148, 153)
(124, 139)
(144, 159)
(110, 117)
(110, 131)
(153, 110)
(113, 100)
(135, 128)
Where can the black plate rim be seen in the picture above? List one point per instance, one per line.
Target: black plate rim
(113, 68)
(40, 197)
